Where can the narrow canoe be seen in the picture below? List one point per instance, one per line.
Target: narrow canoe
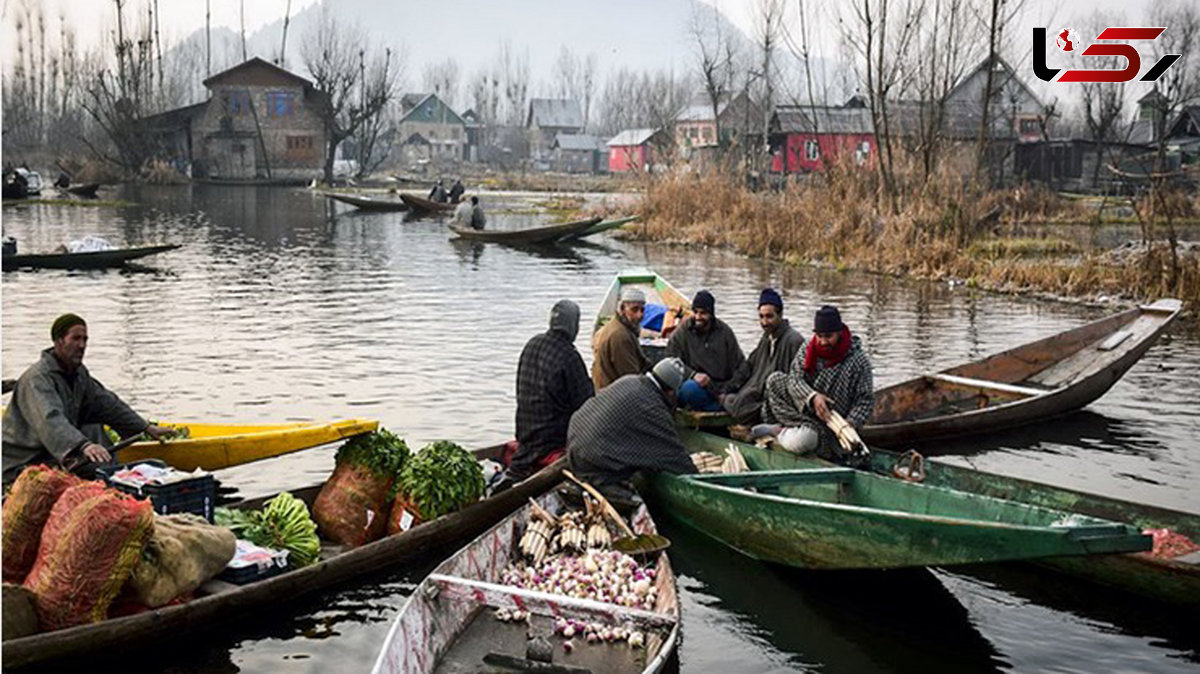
(217, 446)
(1029, 383)
(533, 235)
(840, 518)
(99, 259)
(447, 623)
(219, 603)
(604, 226)
(422, 204)
(367, 203)
(658, 291)
(87, 190)
(1172, 580)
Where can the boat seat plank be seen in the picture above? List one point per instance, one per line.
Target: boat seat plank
(1071, 368)
(988, 385)
(776, 478)
(507, 596)
(1115, 340)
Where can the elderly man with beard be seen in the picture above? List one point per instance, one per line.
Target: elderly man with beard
(709, 350)
(552, 383)
(775, 351)
(616, 351)
(628, 427)
(832, 372)
(57, 411)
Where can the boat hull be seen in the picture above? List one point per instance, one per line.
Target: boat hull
(533, 235)
(416, 203)
(100, 259)
(367, 203)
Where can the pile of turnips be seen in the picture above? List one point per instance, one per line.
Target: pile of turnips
(600, 575)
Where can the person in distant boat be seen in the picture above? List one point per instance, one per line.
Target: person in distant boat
(628, 427)
(456, 191)
(462, 214)
(831, 372)
(57, 410)
(776, 349)
(438, 193)
(616, 350)
(709, 350)
(552, 383)
(478, 219)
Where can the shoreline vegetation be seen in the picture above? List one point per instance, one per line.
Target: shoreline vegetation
(941, 231)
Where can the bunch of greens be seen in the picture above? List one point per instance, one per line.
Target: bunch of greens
(382, 453)
(442, 478)
(282, 524)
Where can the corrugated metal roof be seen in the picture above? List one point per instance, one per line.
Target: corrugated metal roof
(632, 137)
(823, 119)
(563, 113)
(576, 141)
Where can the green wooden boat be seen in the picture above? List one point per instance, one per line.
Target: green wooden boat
(1174, 580)
(658, 291)
(603, 227)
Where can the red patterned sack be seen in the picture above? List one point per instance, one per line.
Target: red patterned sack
(404, 516)
(1170, 544)
(352, 507)
(25, 512)
(90, 546)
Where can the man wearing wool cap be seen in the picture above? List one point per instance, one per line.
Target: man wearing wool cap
(628, 427)
(57, 410)
(615, 348)
(709, 350)
(776, 349)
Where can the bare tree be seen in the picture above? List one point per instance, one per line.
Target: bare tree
(1000, 16)
(356, 87)
(1102, 102)
(716, 56)
(574, 78)
(938, 69)
(768, 31)
(441, 78)
(514, 76)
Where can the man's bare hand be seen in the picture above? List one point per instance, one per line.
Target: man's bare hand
(96, 454)
(820, 405)
(702, 379)
(160, 433)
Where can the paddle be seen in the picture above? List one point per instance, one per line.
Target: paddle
(631, 543)
(76, 460)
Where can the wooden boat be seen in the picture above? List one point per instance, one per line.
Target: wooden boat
(1173, 580)
(1029, 383)
(447, 625)
(219, 603)
(604, 227)
(533, 235)
(658, 291)
(100, 259)
(367, 203)
(87, 190)
(417, 203)
(1036, 381)
(217, 446)
(840, 518)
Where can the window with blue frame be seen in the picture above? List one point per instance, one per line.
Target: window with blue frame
(237, 103)
(281, 103)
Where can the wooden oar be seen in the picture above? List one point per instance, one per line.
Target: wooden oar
(631, 543)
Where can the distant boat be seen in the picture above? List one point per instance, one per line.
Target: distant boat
(532, 235)
(422, 204)
(368, 203)
(87, 190)
(99, 259)
(604, 226)
(21, 182)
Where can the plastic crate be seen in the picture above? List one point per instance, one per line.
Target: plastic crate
(197, 496)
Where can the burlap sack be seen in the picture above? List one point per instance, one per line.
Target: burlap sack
(183, 552)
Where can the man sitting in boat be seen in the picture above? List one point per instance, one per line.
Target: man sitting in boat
(456, 191)
(615, 350)
(478, 219)
(57, 410)
(462, 214)
(775, 351)
(831, 372)
(628, 427)
(552, 383)
(709, 350)
(438, 193)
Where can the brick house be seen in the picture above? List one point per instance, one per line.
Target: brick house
(429, 130)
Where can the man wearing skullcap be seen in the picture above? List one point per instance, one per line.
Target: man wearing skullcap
(628, 427)
(831, 372)
(709, 349)
(57, 410)
(776, 349)
(615, 349)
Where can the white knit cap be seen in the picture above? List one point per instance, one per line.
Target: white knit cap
(632, 294)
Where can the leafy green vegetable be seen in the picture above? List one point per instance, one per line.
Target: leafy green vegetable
(382, 452)
(282, 524)
(442, 478)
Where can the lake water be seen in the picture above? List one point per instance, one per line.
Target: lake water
(280, 307)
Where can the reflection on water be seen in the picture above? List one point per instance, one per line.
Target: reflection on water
(284, 306)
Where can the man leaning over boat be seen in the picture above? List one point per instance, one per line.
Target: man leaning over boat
(831, 373)
(57, 412)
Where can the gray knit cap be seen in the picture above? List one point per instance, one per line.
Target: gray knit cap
(670, 372)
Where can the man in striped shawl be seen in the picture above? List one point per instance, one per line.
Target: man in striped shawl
(831, 372)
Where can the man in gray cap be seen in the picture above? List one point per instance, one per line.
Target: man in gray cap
(615, 349)
(57, 410)
(628, 427)
(552, 382)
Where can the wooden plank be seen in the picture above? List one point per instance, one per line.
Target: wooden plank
(507, 596)
(776, 478)
(988, 385)
(1115, 340)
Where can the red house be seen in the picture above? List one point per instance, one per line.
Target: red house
(633, 149)
(807, 138)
